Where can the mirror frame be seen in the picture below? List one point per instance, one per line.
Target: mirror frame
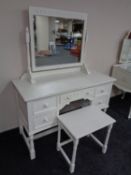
(55, 13)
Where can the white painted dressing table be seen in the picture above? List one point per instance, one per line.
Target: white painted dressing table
(40, 103)
(41, 95)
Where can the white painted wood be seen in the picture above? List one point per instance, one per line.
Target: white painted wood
(58, 138)
(44, 119)
(85, 121)
(53, 87)
(26, 139)
(59, 84)
(80, 123)
(96, 140)
(43, 104)
(45, 133)
(104, 149)
(72, 166)
(32, 149)
(66, 142)
(40, 103)
(129, 115)
(65, 155)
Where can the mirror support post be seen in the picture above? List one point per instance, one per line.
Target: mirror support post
(28, 55)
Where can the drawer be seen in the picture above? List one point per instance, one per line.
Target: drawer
(101, 102)
(67, 98)
(103, 90)
(89, 93)
(77, 95)
(44, 104)
(44, 119)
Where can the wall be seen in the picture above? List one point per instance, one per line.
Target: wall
(108, 20)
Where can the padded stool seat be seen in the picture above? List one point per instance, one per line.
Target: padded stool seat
(80, 123)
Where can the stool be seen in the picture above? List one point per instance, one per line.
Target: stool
(80, 123)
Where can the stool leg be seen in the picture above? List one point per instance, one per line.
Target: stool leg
(58, 138)
(129, 116)
(104, 148)
(123, 95)
(72, 165)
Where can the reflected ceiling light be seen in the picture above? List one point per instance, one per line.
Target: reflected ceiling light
(57, 21)
(77, 34)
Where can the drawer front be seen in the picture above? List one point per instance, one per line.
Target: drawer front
(89, 93)
(103, 90)
(44, 104)
(101, 102)
(77, 95)
(67, 98)
(45, 119)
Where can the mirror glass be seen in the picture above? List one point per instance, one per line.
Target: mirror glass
(57, 40)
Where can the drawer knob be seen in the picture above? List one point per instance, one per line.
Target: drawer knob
(102, 91)
(45, 105)
(45, 119)
(68, 98)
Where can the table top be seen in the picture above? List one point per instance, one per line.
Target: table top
(55, 85)
(85, 121)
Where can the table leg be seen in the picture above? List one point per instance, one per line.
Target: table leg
(32, 148)
(129, 115)
(123, 95)
(72, 165)
(58, 138)
(104, 148)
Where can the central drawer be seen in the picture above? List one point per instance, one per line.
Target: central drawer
(43, 104)
(81, 94)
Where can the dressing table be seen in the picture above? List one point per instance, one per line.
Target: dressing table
(122, 71)
(57, 74)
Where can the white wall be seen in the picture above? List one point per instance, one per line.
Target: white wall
(108, 20)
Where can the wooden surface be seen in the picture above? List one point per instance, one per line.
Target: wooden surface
(85, 121)
(55, 85)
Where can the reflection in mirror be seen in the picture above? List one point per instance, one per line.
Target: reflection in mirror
(57, 40)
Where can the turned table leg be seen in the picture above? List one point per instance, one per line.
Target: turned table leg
(32, 148)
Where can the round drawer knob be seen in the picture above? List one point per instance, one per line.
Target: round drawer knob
(45, 105)
(68, 98)
(45, 119)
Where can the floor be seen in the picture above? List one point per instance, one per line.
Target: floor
(62, 56)
(14, 158)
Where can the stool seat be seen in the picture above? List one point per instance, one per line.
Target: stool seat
(85, 121)
(80, 123)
